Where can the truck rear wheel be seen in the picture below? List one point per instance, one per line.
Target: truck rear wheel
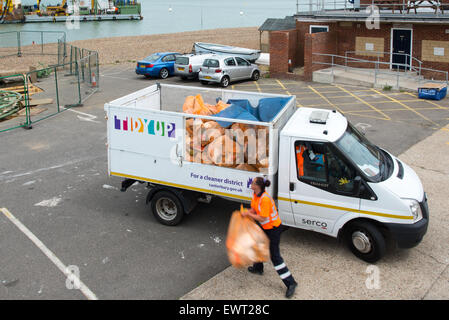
(166, 208)
(365, 241)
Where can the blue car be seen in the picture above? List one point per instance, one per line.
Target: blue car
(157, 65)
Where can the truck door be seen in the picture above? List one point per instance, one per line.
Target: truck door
(321, 185)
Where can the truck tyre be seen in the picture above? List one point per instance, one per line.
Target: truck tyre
(166, 208)
(224, 81)
(365, 241)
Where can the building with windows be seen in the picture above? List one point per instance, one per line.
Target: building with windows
(396, 35)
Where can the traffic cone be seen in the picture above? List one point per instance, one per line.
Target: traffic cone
(94, 81)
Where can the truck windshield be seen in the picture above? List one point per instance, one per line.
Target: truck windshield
(362, 152)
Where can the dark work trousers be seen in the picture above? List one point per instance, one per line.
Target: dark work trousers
(275, 237)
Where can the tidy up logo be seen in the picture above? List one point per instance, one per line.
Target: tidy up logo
(152, 127)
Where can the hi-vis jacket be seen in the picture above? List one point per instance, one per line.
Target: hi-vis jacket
(265, 207)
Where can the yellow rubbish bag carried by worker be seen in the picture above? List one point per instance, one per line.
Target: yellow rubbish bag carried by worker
(246, 242)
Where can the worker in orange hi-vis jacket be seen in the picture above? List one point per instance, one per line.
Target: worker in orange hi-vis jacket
(263, 210)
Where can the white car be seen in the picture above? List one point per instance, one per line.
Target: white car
(188, 65)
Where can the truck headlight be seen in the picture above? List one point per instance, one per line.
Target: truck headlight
(415, 209)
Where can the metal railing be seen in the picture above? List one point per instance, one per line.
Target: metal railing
(324, 5)
(418, 69)
(67, 83)
(376, 68)
(408, 57)
(31, 42)
(402, 6)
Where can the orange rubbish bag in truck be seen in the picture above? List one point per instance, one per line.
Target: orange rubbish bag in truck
(246, 242)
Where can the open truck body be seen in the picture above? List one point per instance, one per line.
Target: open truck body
(147, 142)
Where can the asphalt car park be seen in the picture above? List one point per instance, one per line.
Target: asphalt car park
(64, 212)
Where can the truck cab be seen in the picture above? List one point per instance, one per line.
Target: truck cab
(334, 181)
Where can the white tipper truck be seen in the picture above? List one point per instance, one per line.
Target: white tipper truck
(347, 188)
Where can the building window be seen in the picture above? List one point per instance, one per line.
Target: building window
(315, 29)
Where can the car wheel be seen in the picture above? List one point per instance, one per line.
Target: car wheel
(204, 82)
(365, 241)
(255, 76)
(224, 81)
(164, 73)
(166, 208)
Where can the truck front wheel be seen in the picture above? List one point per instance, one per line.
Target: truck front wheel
(365, 241)
(167, 208)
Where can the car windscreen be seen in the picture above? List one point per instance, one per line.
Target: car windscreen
(211, 63)
(362, 152)
(152, 58)
(182, 60)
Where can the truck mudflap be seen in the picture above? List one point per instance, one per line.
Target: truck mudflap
(126, 184)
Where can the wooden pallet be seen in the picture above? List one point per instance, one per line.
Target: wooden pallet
(32, 89)
(33, 111)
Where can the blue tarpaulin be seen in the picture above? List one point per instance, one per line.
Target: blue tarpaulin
(244, 103)
(241, 109)
(268, 108)
(235, 111)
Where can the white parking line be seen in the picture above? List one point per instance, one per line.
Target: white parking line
(57, 166)
(50, 255)
(85, 116)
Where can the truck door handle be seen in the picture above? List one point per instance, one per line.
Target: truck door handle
(292, 186)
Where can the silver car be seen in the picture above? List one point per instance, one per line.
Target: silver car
(226, 69)
(188, 65)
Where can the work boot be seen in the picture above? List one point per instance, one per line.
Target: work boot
(291, 290)
(255, 271)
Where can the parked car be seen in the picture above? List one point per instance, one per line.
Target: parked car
(226, 69)
(188, 65)
(159, 64)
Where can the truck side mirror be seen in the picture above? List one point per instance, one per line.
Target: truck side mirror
(358, 186)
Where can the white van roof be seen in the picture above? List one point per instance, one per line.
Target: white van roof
(316, 124)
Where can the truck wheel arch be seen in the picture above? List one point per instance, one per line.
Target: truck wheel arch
(380, 226)
(365, 239)
(187, 198)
